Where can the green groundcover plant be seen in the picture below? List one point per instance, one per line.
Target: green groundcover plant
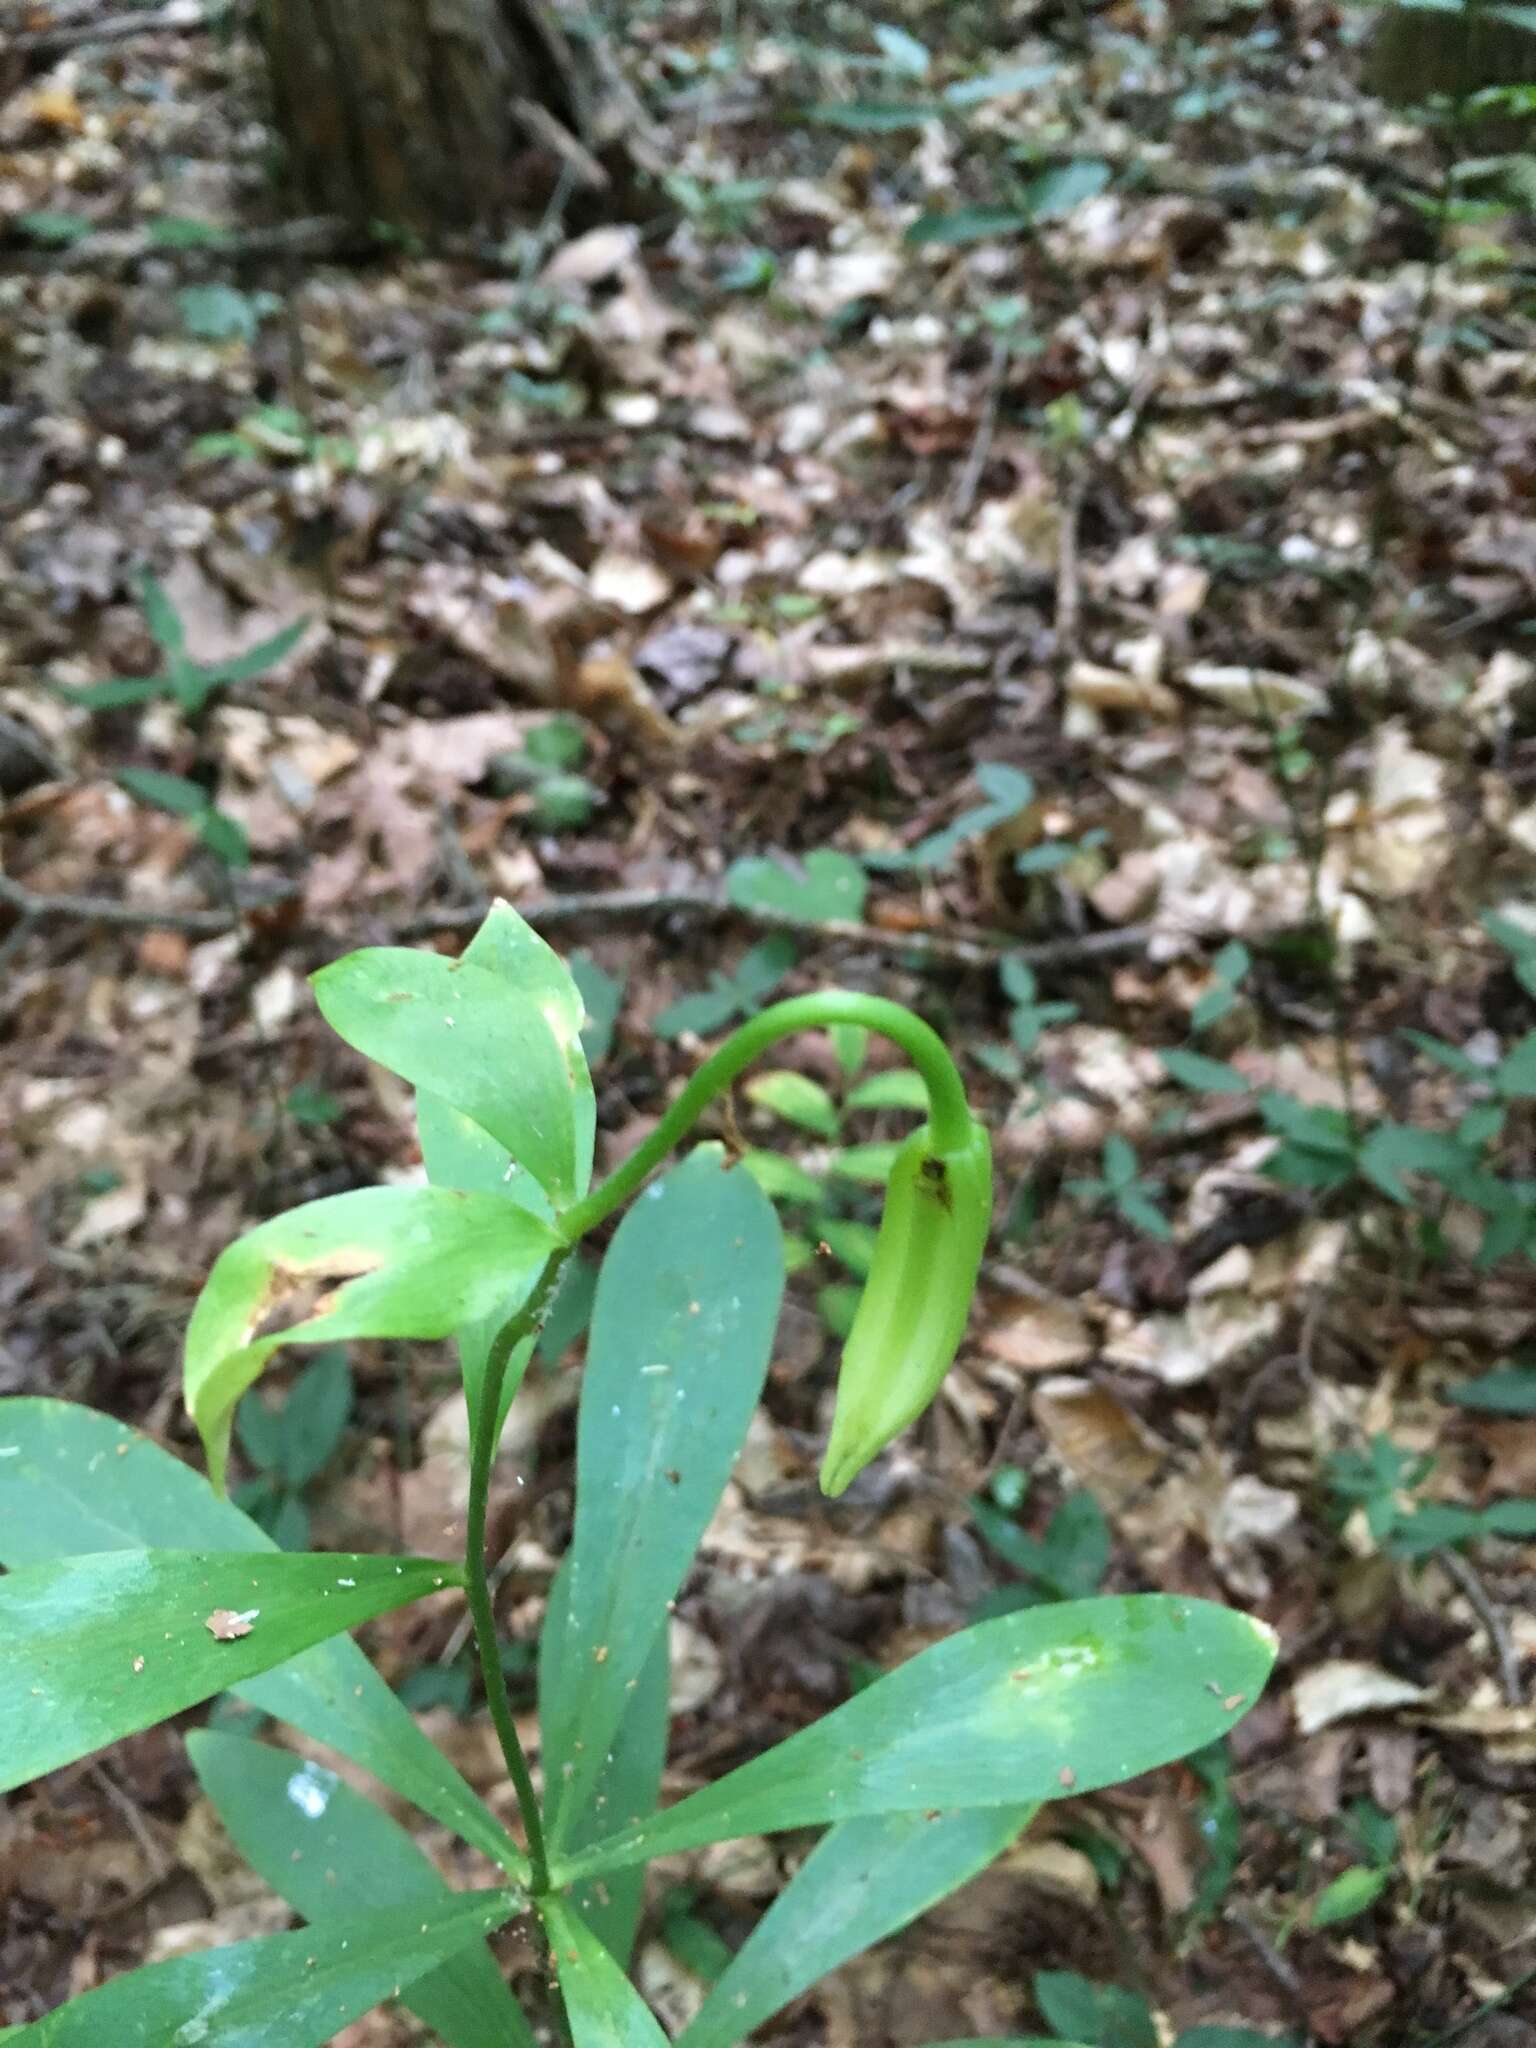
(134, 1589)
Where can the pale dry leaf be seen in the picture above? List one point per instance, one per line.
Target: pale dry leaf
(1345, 1686)
(632, 584)
(1044, 1337)
(443, 755)
(1097, 688)
(669, 1987)
(831, 574)
(110, 1215)
(1211, 1333)
(1256, 692)
(697, 1666)
(745, 1869)
(1057, 1868)
(1509, 1732)
(589, 259)
(275, 999)
(824, 282)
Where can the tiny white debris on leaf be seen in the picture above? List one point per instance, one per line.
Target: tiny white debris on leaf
(225, 1626)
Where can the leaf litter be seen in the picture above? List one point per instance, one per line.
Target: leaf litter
(1197, 497)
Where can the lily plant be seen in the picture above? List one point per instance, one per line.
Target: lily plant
(135, 1590)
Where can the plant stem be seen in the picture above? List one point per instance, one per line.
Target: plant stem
(949, 1113)
(478, 1586)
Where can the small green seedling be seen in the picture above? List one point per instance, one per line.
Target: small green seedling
(223, 835)
(1106, 2016)
(1518, 941)
(1355, 1890)
(1385, 1480)
(1229, 970)
(222, 312)
(188, 683)
(730, 996)
(1068, 1561)
(1008, 791)
(277, 433)
(291, 1444)
(1121, 1185)
(135, 1589)
(547, 767)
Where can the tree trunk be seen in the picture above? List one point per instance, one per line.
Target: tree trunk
(426, 114)
(1416, 52)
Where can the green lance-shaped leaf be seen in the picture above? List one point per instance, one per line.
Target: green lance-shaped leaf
(682, 1325)
(507, 1056)
(73, 1481)
(1031, 1706)
(100, 1647)
(628, 1787)
(604, 2009)
(297, 1989)
(912, 1316)
(415, 1262)
(862, 1882)
(329, 1852)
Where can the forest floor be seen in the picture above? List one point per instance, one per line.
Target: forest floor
(1073, 505)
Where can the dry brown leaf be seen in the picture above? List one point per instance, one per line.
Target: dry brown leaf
(1044, 1337)
(610, 690)
(492, 619)
(1097, 1438)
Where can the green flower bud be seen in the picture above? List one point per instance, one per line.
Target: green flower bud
(938, 1206)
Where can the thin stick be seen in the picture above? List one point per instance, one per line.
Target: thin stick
(1069, 589)
(1464, 1576)
(1274, 1963)
(180, 16)
(986, 428)
(39, 909)
(967, 947)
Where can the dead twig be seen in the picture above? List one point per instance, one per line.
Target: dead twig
(965, 949)
(969, 480)
(970, 948)
(1464, 1577)
(458, 868)
(114, 252)
(1275, 1964)
(42, 45)
(1069, 588)
(36, 909)
(154, 1855)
